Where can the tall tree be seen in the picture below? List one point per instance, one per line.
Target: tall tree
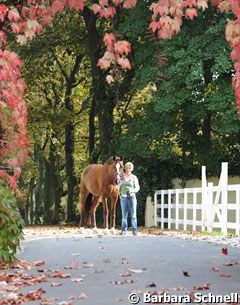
(57, 78)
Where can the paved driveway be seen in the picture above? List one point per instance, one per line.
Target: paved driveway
(105, 270)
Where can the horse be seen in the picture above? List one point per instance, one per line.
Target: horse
(98, 183)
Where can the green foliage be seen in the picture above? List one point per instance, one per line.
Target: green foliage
(186, 118)
(11, 225)
(196, 100)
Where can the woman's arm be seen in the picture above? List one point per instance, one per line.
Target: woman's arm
(136, 184)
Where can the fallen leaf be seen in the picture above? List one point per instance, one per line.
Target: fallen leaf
(56, 284)
(98, 271)
(203, 287)
(124, 261)
(83, 296)
(58, 274)
(152, 285)
(231, 264)
(225, 251)
(106, 260)
(38, 263)
(123, 282)
(136, 270)
(214, 269)
(127, 273)
(40, 270)
(74, 264)
(48, 301)
(185, 273)
(78, 279)
(226, 275)
(87, 265)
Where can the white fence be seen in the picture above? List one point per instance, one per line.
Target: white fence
(205, 208)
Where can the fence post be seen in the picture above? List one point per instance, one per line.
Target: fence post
(210, 209)
(162, 209)
(149, 212)
(204, 197)
(185, 196)
(194, 210)
(224, 190)
(237, 232)
(155, 209)
(177, 209)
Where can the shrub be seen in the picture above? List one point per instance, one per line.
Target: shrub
(11, 224)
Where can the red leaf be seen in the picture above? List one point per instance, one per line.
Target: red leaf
(226, 275)
(109, 79)
(57, 6)
(191, 13)
(13, 15)
(96, 8)
(124, 63)
(224, 251)
(15, 28)
(122, 47)
(203, 287)
(3, 11)
(154, 26)
(109, 39)
(129, 3)
(76, 4)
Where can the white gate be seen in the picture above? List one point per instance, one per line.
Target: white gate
(205, 208)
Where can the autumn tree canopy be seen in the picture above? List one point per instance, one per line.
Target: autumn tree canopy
(22, 20)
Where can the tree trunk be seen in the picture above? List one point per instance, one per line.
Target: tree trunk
(29, 203)
(69, 143)
(92, 130)
(52, 188)
(48, 192)
(71, 179)
(104, 104)
(36, 215)
(206, 129)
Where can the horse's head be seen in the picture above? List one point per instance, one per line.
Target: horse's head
(117, 168)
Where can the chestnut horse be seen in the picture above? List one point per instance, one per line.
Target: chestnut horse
(98, 183)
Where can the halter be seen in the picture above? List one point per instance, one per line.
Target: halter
(119, 172)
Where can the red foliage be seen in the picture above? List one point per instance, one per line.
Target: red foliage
(26, 21)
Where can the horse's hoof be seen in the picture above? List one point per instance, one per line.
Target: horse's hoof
(95, 230)
(106, 231)
(113, 231)
(82, 230)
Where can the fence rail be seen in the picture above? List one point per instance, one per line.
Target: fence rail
(205, 208)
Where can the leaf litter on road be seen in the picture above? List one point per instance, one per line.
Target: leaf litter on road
(14, 277)
(123, 282)
(23, 265)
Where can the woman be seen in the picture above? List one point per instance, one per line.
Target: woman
(128, 188)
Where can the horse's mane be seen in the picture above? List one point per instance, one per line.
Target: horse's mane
(113, 159)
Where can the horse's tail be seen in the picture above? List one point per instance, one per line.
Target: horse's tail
(88, 205)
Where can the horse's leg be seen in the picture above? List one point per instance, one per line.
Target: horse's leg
(105, 212)
(83, 197)
(113, 213)
(93, 213)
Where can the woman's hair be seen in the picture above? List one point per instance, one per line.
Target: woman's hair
(129, 165)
